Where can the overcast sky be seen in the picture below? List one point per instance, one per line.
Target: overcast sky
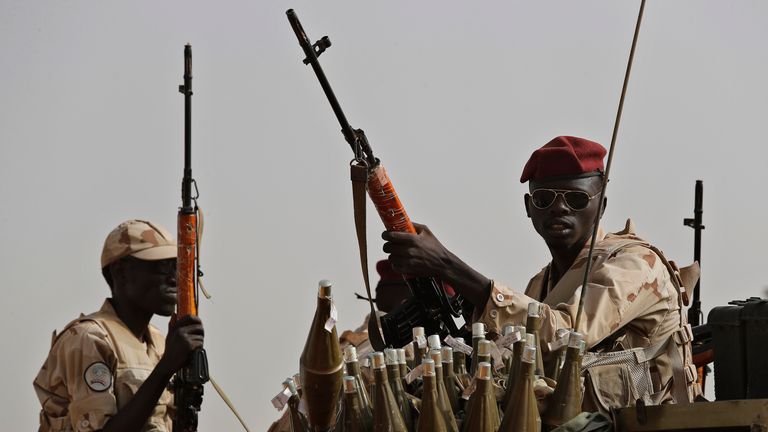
(454, 96)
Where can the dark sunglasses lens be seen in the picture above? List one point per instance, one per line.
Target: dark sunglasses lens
(543, 198)
(577, 200)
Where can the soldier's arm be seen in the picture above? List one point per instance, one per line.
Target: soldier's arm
(422, 254)
(76, 383)
(621, 289)
(184, 336)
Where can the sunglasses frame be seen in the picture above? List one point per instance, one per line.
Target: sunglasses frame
(562, 192)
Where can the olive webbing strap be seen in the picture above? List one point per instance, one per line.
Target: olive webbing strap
(359, 176)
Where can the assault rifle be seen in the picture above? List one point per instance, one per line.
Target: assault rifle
(188, 382)
(429, 307)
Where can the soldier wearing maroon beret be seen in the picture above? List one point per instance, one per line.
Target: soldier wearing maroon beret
(633, 302)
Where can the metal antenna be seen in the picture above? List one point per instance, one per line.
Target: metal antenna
(588, 267)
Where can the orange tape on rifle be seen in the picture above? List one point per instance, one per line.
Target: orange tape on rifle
(387, 203)
(186, 265)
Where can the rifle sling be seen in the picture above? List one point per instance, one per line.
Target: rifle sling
(359, 177)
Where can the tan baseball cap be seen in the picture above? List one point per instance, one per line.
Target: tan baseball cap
(138, 238)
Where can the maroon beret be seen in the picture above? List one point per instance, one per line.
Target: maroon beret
(564, 156)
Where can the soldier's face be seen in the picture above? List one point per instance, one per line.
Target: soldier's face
(148, 285)
(564, 224)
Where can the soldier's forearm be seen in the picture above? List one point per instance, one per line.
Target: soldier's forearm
(136, 412)
(467, 281)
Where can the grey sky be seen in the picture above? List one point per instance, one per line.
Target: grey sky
(453, 96)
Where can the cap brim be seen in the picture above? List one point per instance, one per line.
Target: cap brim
(156, 253)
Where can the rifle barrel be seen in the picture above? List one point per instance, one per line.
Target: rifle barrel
(186, 89)
(312, 60)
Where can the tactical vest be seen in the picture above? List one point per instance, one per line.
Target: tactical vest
(619, 378)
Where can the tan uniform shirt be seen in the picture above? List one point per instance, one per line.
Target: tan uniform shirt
(630, 290)
(93, 369)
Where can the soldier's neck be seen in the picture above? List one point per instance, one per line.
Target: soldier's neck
(135, 319)
(562, 260)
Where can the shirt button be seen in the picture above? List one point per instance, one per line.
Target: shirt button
(500, 297)
(84, 424)
(493, 313)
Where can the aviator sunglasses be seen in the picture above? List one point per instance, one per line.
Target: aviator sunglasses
(576, 200)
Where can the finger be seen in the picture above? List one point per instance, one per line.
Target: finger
(398, 237)
(193, 329)
(396, 249)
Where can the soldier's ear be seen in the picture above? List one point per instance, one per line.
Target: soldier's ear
(605, 204)
(527, 200)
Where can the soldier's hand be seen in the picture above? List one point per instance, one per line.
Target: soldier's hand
(184, 336)
(419, 254)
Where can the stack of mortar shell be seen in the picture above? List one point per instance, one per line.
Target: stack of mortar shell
(432, 418)
(321, 366)
(478, 334)
(419, 346)
(402, 362)
(297, 420)
(449, 378)
(353, 371)
(460, 367)
(396, 384)
(514, 365)
(565, 403)
(354, 417)
(522, 413)
(533, 325)
(442, 393)
(506, 351)
(386, 413)
(483, 414)
(557, 356)
(483, 356)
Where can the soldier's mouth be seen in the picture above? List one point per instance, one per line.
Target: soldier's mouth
(558, 225)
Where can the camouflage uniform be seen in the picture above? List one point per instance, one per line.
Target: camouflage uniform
(634, 300)
(95, 366)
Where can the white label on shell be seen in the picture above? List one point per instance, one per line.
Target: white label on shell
(458, 346)
(330, 323)
(508, 340)
(414, 373)
(421, 341)
(281, 399)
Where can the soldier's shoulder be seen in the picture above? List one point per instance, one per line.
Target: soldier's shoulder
(78, 329)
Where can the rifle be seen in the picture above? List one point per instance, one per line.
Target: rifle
(429, 307)
(702, 345)
(189, 380)
(694, 313)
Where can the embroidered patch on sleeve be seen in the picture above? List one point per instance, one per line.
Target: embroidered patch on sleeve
(98, 377)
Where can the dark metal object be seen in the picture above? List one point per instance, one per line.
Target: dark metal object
(695, 316)
(739, 333)
(429, 307)
(188, 382)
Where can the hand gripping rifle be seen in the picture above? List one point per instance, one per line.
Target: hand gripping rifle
(429, 307)
(188, 382)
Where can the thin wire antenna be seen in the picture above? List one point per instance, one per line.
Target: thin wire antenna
(588, 267)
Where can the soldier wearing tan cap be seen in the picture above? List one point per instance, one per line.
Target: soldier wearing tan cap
(634, 298)
(109, 370)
